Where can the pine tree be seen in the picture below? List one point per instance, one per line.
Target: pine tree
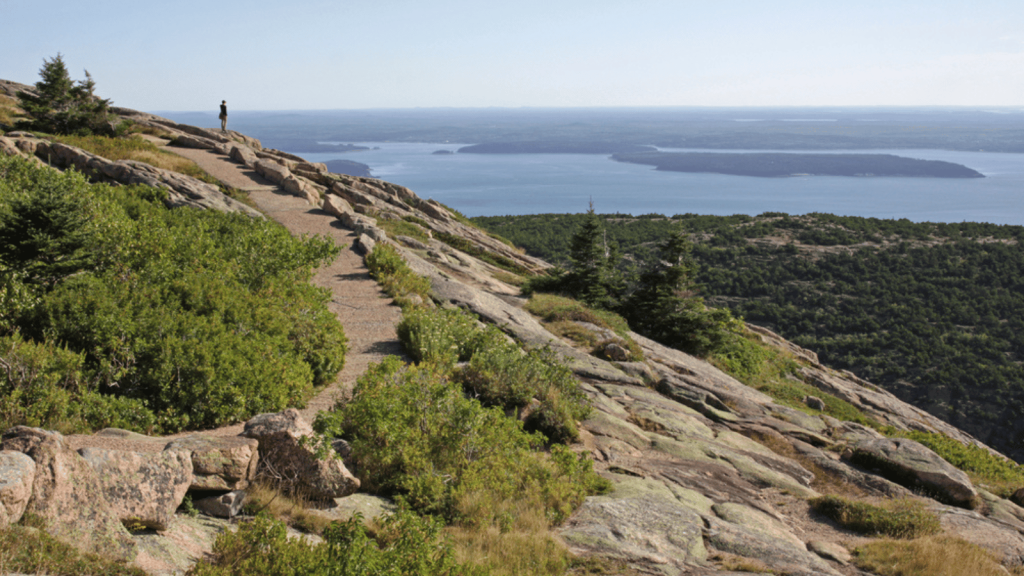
(593, 277)
(61, 106)
(665, 307)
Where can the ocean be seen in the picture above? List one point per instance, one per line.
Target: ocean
(510, 184)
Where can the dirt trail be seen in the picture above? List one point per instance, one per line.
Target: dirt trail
(366, 312)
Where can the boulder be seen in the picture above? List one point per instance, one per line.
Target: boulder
(142, 488)
(271, 170)
(616, 352)
(243, 155)
(219, 462)
(336, 205)
(814, 402)
(365, 244)
(288, 453)
(17, 472)
(911, 464)
(68, 496)
(226, 505)
(8, 148)
(190, 141)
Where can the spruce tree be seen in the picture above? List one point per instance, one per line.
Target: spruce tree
(593, 277)
(62, 106)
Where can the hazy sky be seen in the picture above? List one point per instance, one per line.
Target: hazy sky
(311, 54)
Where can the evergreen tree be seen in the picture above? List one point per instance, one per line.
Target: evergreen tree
(62, 106)
(665, 308)
(593, 277)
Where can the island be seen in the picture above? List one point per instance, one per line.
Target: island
(442, 152)
(793, 164)
(301, 145)
(555, 147)
(348, 167)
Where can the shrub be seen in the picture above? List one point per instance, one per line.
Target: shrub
(1001, 475)
(898, 518)
(29, 550)
(502, 375)
(188, 317)
(405, 545)
(414, 433)
(443, 337)
(930, 556)
(389, 269)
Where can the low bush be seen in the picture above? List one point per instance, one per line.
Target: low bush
(502, 375)
(898, 518)
(443, 337)
(404, 545)
(1000, 475)
(930, 556)
(415, 434)
(28, 550)
(389, 269)
(560, 315)
(773, 372)
(181, 318)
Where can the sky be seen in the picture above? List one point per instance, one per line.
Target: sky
(186, 55)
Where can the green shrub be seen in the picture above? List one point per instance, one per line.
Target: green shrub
(552, 308)
(29, 550)
(404, 227)
(414, 433)
(1001, 475)
(771, 371)
(188, 317)
(502, 375)
(898, 518)
(404, 545)
(389, 269)
(443, 337)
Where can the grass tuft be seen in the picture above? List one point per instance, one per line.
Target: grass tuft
(902, 518)
(930, 556)
(28, 550)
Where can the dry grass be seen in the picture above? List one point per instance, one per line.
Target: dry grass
(292, 510)
(929, 556)
(734, 563)
(825, 482)
(9, 111)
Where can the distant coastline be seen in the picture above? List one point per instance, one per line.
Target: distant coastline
(348, 167)
(775, 165)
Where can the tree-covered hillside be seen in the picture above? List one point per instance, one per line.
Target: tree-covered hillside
(931, 312)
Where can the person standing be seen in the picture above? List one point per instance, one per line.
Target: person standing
(223, 115)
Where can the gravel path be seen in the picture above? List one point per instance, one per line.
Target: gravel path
(367, 313)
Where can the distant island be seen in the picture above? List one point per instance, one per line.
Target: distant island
(298, 146)
(554, 147)
(785, 164)
(348, 167)
(442, 152)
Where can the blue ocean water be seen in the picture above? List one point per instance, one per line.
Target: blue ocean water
(508, 184)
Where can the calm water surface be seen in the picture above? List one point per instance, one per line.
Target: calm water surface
(504, 184)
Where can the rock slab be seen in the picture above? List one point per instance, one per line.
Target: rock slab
(142, 489)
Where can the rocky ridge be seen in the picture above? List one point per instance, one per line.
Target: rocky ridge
(685, 445)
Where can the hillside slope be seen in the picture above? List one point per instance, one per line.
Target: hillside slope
(709, 475)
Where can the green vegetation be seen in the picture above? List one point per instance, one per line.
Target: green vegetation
(62, 106)
(1001, 476)
(931, 312)
(25, 549)
(415, 434)
(895, 518)
(117, 311)
(476, 251)
(404, 545)
(395, 228)
(399, 281)
(929, 556)
(9, 112)
(560, 315)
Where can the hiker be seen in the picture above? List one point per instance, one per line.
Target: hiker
(223, 115)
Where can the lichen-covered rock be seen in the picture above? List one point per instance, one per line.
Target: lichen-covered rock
(272, 171)
(911, 464)
(17, 472)
(336, 206)
(142, 488)
(243, 155)
(219, 462)
(226, 505)
(68, 496)
(288, 452)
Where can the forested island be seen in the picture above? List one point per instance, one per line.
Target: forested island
(786, 164)
(555, 147)
(348, 167)
(931, 312)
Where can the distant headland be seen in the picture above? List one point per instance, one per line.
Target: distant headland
(789, 164)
